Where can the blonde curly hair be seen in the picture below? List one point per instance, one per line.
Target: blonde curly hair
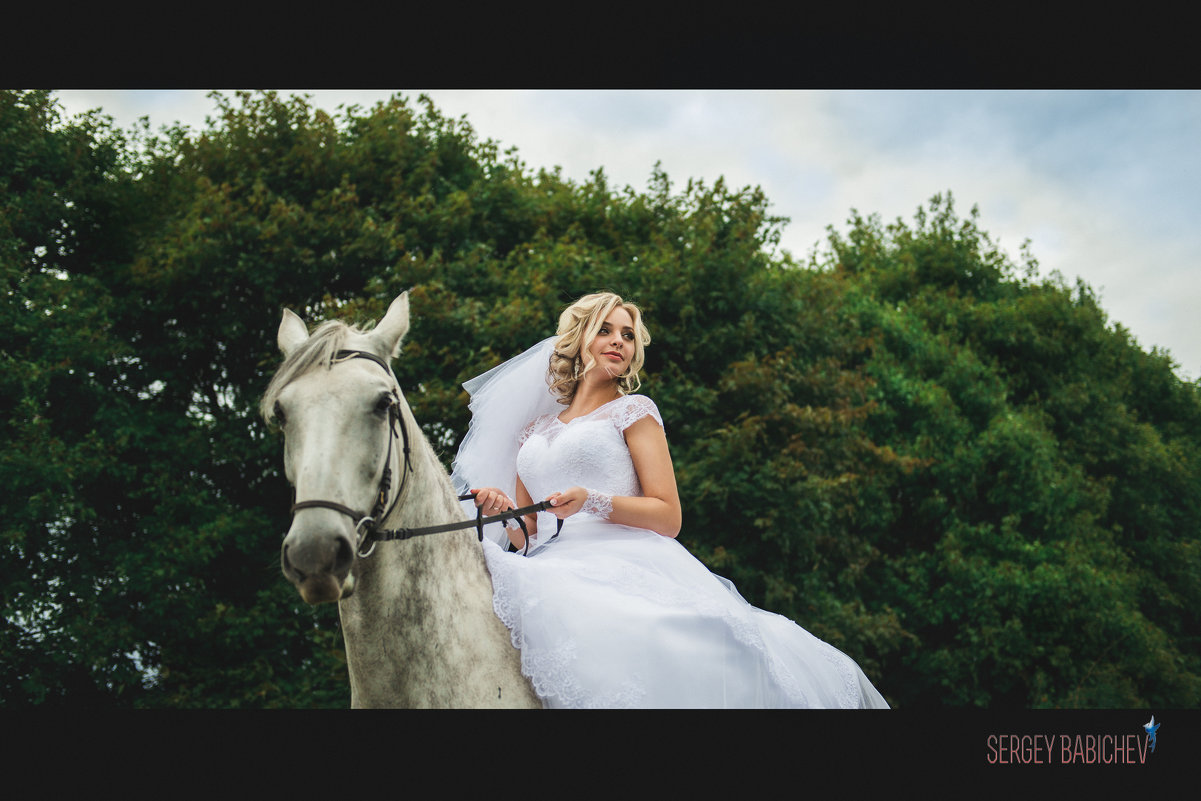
(578, 326)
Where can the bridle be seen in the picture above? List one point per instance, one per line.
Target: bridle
(366, 529)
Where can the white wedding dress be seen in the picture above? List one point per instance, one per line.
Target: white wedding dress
(609, 616)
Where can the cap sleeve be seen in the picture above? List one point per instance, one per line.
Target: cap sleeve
(634, 408)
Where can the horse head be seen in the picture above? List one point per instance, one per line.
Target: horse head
(338, 416)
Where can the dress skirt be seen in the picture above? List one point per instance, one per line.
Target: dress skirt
(608, 616)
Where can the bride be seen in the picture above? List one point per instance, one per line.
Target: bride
(610, 610)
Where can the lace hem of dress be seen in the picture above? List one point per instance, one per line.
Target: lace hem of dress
(550, 670)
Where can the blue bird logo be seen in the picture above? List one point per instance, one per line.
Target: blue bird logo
(1151, 727)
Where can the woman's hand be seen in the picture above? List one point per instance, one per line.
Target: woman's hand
(565, 504)
(492, 500)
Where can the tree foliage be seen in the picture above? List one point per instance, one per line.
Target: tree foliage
(958, 473)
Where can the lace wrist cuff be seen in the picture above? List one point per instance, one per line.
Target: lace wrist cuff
(599, 504)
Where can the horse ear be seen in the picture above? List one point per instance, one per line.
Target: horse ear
(394, 326)
(292, 333)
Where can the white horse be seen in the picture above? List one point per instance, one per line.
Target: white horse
(417, 614)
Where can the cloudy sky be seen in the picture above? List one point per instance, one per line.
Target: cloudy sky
(1105, 185)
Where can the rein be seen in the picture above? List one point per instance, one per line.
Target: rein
(366, 530)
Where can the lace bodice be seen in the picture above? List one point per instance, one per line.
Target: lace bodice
(589, 451)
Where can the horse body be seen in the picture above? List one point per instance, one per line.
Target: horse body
(417, 615)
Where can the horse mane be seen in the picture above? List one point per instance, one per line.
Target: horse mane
(319, 349)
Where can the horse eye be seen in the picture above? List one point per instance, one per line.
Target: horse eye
(278, 411)
(383, 404)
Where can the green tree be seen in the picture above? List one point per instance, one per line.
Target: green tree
(1044, 550)
(63, 196)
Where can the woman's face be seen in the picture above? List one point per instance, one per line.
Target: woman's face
(613, 346)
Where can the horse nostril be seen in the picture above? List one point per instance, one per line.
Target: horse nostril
(344, 556)
(290, 568)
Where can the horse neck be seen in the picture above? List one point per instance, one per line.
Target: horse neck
(420, 629)
(427, 495)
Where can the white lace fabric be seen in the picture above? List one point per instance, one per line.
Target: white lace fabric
(598, 504)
